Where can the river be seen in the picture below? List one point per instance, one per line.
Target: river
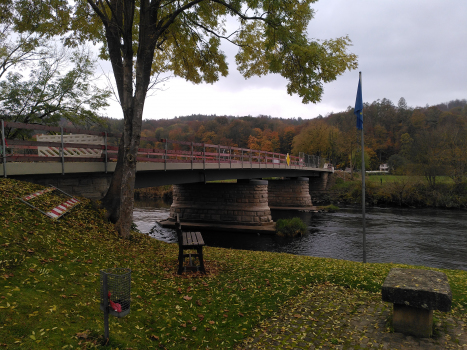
(426, 237)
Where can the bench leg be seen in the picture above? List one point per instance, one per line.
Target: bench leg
(180, 261)
(201, 260)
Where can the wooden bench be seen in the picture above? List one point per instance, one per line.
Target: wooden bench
(189, 241)
(415, 294)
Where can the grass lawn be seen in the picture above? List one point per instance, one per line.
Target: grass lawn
(50, 283)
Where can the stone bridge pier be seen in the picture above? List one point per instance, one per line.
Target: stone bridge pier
(291, 193)
(244, 203)
(242, 206)
(319, 182)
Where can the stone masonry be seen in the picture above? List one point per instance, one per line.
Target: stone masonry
(318, 183)
(241, 203)
(92, 187)
(289, 193)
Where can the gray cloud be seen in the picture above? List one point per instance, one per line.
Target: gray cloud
(414, 49)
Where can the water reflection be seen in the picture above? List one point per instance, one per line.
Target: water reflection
(428, 237)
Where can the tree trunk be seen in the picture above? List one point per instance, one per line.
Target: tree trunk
(119, 199)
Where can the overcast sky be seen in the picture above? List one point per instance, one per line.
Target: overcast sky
(414, 49)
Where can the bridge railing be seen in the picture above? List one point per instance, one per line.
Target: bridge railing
(59, 149)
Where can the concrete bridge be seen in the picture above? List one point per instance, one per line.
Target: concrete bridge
(186, 165)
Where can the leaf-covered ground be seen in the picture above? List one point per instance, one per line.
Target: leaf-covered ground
(330, 316)
(50, 283)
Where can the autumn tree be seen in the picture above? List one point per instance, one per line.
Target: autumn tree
(286, 136)
(147, 37)
(59, 86)
(318, 138)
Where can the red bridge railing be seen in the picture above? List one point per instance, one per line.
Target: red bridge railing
(164, 151)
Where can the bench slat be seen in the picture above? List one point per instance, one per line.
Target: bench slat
(199, 238)
(192, 239)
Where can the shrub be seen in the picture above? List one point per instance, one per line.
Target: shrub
(330, 208)
(290, 227)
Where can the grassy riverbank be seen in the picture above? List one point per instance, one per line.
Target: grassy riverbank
(394, 190)
(49, 283)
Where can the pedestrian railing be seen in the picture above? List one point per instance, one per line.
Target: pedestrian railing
(95, 146)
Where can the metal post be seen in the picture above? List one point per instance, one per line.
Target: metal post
(204, 156)
(219, 155)
(106, 308)
(251, 163)
(230, 158)
(363, 184)
(273, 156)
(191, 155)
(242, 158)
(105, 150)
(165, 156)
(62, 153)
(3, 149)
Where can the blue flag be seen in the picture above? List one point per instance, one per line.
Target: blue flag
(359, 106)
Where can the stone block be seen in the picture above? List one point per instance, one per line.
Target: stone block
(101, 188)
(67, 182)
(424, 289)
(67, 189)
(101, 181)
(415, 294)
(85, 182)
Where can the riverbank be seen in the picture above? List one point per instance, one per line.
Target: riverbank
(49, 284)
(396, 191)
(151, 193)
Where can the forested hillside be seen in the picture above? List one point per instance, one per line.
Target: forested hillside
(429, 141)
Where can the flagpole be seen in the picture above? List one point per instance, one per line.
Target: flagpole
(363, 182)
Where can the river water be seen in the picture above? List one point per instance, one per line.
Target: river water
(426, 237)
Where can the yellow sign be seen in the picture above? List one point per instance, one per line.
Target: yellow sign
(288, 159)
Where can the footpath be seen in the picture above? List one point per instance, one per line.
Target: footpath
(327, 316)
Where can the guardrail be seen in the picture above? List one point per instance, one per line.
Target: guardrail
(164, 151)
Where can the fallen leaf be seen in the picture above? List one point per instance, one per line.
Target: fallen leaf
(186, 297)
(83, 335)
(193, 328)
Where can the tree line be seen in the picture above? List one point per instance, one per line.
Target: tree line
(429, 141)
